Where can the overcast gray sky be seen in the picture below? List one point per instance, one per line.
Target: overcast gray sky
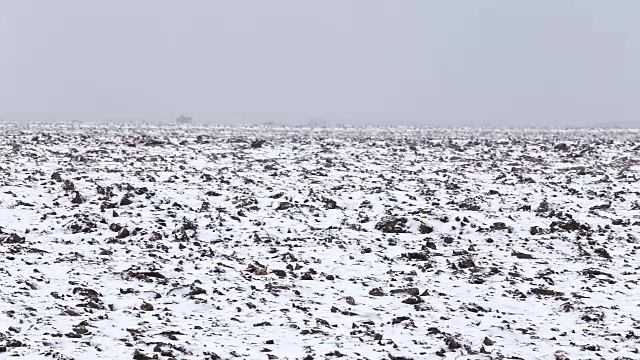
(510, 62)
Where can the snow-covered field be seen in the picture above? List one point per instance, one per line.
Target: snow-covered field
(164, 242)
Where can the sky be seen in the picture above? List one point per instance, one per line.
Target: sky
(446, 62)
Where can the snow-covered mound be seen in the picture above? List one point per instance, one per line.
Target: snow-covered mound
(147, 242)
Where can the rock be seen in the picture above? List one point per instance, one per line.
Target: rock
(82, 330)
(261, 324)
(418, 256)
(595, 272)
(412, 300)
(127, 199)
(280, 273)
(410, 291)
(392, 224)
(602, 253)
(12, 238)
(600, 207)
(71, 312)
(532, 159)
(376, 292)
(306, 276)
(257, 269)
(452, 343)
(543, 207)
(68, 185)
(77, 199)
(56, 177)
(570, 225)
(593, 316)
(284, 206)
(430, 245)
(499, 226)
(138, 355)
(350, 300)
(123, 233)
(466, 262)
(425, 229)
(144, 275)
(545, 292)
(469, 205)
(399, 319)
(521, 255)
(146, 306)
(12, 343)
(196, 291)
(330, 204)
(535, 230)
(14, 329)
(257, 144)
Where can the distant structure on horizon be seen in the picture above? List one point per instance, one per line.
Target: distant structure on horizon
(317, 122)
(183, 119)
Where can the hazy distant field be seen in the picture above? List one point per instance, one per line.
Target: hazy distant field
(145, 242)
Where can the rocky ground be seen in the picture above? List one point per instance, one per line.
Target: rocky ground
(151, 242)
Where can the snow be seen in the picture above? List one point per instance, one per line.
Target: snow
(289, 242)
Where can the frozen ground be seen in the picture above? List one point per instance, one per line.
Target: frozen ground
(124, 242)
